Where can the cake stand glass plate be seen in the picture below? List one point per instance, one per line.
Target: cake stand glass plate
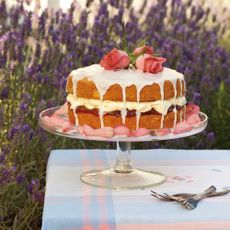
(123, 175)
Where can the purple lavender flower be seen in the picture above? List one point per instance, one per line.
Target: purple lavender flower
(3, 39)
(26, 28)
(5, 149)
(23, 107)
(1, 116)
(25, 128)
(6, 174)
(42, 23)
(13, 132)
(4, 94)
(3, 9)
(20, 178)
(210, 137)
(2, 159)
(38, 196)
(3, 60)
(27, 131)
(33, 186)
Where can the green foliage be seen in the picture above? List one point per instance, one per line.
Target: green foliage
(221, 116)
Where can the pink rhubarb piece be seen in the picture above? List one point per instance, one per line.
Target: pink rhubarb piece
(139, 132)
(69, 129)
(182, 127)
(162, 132)
(88, 128)
(84, 128)
(121, 130)
(192, 109)
(103, 132)
(53, 120)
(193, 119)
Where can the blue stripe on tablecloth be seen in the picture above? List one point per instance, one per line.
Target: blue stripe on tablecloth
(71, 157)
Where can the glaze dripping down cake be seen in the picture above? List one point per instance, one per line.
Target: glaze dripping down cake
(101, 97)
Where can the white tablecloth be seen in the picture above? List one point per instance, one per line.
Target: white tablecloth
(71, 204)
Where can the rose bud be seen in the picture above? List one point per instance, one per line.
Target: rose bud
(115, 59)
(150, 64)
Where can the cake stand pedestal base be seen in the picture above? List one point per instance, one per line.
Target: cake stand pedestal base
(122, 175)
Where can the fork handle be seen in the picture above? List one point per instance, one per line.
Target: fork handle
(208, 191)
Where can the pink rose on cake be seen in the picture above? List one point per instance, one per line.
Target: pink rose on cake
(141, 58)
(115, 59)
(143, 50)
(149, 63)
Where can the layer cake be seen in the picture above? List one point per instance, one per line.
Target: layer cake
(130, 97)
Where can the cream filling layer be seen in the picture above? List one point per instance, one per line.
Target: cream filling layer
(161, 106)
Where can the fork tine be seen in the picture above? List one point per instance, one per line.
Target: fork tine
(156, 196)
(159, 196)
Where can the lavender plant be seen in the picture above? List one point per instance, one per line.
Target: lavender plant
(38, 52)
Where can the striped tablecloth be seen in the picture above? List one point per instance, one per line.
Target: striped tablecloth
(72, 205)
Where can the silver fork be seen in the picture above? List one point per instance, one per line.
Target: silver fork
(192, 201)
(189, 200)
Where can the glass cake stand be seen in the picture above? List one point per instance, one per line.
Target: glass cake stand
(123, 175)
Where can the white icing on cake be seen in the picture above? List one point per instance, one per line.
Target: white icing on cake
(103, 79)
(161, 106)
